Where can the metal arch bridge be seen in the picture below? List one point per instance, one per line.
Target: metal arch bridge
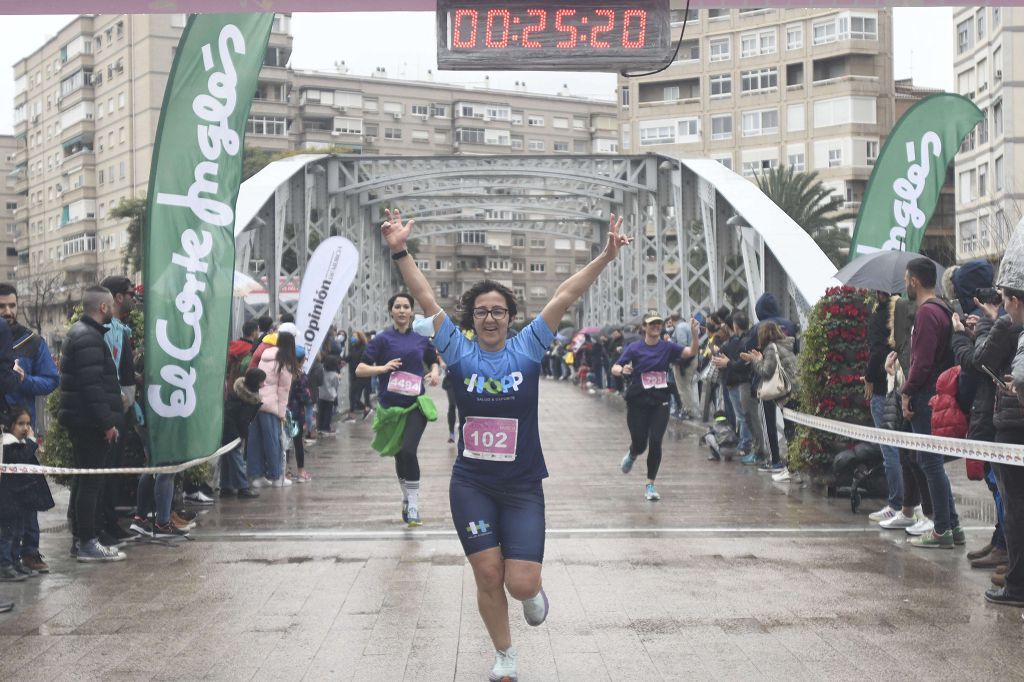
(704, 235)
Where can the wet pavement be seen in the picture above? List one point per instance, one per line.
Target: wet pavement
(729, 576)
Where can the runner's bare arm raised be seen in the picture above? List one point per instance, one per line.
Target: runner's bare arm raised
(396, 235)
(570, 290)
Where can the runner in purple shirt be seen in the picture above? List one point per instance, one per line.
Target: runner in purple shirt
(399, 356)
(647, 363)
(496, 493)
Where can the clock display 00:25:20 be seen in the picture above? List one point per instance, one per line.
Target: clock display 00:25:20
(500, 28)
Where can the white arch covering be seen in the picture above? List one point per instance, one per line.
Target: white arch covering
(803, 261)
(257, 190)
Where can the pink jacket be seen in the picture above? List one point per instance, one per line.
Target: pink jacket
(274, 392)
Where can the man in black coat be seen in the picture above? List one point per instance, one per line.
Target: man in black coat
(91, 411)
(10, 377)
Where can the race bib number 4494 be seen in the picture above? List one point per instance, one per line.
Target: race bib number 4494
(490, 438)
(405, 383)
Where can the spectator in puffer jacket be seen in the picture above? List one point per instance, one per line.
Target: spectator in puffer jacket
(976, 391)
(947, 418)
(240, 409)
(1002, 353)
(263, 447)
(91, 411)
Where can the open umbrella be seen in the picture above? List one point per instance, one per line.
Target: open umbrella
(590, 330)
(881, 271)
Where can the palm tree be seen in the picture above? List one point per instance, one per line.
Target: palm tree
(812, 206)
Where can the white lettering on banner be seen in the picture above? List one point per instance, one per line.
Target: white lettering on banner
(909, 189)
(214, 108)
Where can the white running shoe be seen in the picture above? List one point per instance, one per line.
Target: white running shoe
(199, 497)
(925, 525)
(882, 514)
(281, 482)
(898, 521)
(504, 669)
(535, 609)
(260, 482)
(783, 476)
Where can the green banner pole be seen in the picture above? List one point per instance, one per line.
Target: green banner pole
(904, 187)
(188, 244)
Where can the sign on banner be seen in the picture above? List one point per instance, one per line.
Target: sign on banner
(328, 276)
(909, 173)
(188, 243)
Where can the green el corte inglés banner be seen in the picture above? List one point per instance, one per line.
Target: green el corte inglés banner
(189, 245)
(909, 173)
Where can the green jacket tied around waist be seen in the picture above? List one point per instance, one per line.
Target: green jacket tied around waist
(389, 424)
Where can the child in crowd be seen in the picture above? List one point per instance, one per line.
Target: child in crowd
(300, 400)
(328, 395)
(20, 495)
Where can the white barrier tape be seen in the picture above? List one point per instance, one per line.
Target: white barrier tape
(69, 471)
(998, 453)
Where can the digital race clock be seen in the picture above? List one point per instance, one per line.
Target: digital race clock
(573, 35)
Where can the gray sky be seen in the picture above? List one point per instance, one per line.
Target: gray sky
(923, 45)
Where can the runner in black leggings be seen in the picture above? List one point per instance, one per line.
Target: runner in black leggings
(647, 361)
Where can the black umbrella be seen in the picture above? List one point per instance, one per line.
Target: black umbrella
(881, 271)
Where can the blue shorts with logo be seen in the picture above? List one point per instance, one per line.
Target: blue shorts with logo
(510, 516)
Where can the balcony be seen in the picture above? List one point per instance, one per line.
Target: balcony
(81, 130)
(75, 63)
(268, 107)
(70, 195)
(84, 224)
(847, 85)
(475, 250)
(79, 262)
(84, 93)
(319, 110)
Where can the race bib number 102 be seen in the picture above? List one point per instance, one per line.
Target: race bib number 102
(490, 438)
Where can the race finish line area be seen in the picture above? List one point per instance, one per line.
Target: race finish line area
(324, 581)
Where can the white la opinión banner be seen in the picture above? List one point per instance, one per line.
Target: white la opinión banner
(328, 276)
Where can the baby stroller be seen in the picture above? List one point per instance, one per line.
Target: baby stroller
(861, 465)
(721, 438)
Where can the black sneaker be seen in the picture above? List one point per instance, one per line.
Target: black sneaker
(186, 515)
(247, 494)
(73, 552)
(141, 526)
(108, 540)
(227, 492)
(24, 570)
(168, 531)
(117, 532)
(999, 595)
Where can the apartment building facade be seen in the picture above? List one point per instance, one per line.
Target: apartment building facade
(87, 105)
(10, 204)
(989, 68)
(758, 88)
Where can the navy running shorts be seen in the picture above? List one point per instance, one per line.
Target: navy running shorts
(506, 516)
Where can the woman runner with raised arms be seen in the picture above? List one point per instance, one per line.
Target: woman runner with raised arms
(496, 495)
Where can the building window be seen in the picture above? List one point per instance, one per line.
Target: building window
(871, 151)
(765, 122)
(536, 267)
(624, 94)
(997, 16)
(759, 79)
(670, 93)
(535, 121)
(982, 179)
(721, 127)
(797, 162)
(721, 49)
(980, 17)
(348, 126)
(758, 43)
(794, 36)
(560, 123)
(535, 145)
(967, 186)
(561, 146)
(964, 36)
(657, 134)
(721, 86)
(472, 237)
(997, 118)
(392, 133)
(470, 135)
(843, 110)
(689, 130)
(266, 125)
(751, 168)
(999, 173)
(835, 157)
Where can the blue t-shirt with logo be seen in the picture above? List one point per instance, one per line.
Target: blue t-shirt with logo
(497, 398)
(414, 351)
(651, 365)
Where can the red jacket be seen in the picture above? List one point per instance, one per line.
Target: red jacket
(947, 417)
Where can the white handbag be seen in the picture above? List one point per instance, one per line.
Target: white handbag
(778, 385)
